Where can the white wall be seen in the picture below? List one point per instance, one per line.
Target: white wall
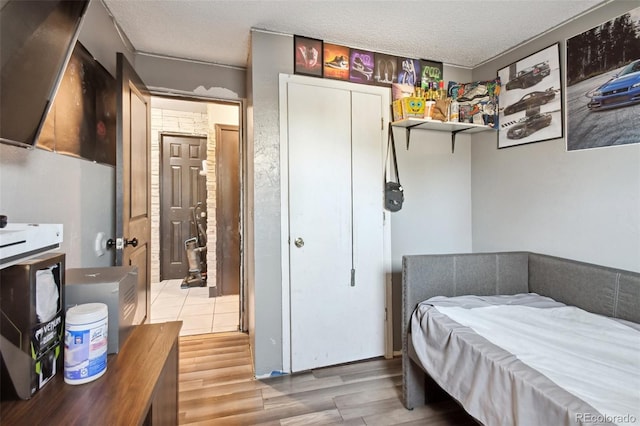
(583, 205)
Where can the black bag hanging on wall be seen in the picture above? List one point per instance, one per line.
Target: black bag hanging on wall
(393, 192)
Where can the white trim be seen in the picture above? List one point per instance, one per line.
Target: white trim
(385, 94)
(284, 224)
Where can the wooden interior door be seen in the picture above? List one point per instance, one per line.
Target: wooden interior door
(133, 200)
(335, 226)
(227, 209)
(182, 187)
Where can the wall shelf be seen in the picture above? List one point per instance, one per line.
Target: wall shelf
(454, 128)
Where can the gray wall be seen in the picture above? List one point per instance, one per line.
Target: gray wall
(41, 186)
(44, 187)
(436, 217)
(184, 77)
(583, 205)
(536, 197)
(38, 186)
(436, 214)
(100, 37)
(270, 55)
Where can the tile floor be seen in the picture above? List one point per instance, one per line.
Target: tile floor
(198, 312)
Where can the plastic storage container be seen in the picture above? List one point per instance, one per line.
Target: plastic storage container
(85, 343)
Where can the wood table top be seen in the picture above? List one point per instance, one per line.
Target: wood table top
(122, 396)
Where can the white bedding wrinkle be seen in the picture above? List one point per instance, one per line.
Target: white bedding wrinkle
(593, 357)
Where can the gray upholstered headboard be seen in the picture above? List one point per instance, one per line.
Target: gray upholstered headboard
(598, 289)
(425, 276)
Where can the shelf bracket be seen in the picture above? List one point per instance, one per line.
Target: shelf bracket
(453, 138)
(453, 128)
(408, 136)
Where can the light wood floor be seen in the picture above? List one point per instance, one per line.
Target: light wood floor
(217, 388)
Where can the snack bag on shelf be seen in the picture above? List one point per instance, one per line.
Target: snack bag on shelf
(477, 101)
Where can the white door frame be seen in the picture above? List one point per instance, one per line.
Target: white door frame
(385, 94)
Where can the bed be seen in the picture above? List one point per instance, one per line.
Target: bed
(491, 330)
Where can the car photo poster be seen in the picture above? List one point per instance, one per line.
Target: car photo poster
(530, 101)
(603, 85)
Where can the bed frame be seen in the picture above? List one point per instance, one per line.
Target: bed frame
(598, 289)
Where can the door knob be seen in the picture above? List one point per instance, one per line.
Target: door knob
(299, 242)
(120, 243)
(132, 242)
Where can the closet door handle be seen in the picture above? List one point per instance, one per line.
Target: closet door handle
(299, 242)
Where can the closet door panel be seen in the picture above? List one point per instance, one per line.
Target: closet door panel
(319, 149)
(368, 256)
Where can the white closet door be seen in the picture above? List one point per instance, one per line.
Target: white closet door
(368, 238)
(331, 320)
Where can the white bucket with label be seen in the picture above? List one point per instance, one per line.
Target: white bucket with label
(85, 343)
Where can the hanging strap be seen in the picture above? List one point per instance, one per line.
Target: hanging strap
(391, 145)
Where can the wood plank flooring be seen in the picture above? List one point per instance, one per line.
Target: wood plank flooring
(217, 387)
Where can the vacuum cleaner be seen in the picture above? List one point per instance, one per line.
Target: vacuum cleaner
(196, 249)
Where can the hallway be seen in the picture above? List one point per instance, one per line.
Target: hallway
(198, 312)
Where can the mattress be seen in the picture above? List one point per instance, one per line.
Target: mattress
(529, 360)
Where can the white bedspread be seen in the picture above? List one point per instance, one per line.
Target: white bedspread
(600, 357)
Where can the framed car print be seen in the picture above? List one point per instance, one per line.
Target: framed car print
(603, 85)
(530, 100)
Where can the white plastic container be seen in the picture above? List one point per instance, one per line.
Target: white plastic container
(454, 112)
(85, 343)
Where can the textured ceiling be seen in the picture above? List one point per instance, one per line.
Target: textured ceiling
(457, 32)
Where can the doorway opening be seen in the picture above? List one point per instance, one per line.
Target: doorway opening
(196, 180)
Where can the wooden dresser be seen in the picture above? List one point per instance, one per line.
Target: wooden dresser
(140, 387)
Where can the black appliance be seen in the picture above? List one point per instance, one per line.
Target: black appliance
(36, 41)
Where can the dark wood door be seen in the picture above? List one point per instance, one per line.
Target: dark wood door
(227, 210)
(182, 187)
(133, 200)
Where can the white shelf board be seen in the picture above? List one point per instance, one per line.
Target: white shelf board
(420, 123)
